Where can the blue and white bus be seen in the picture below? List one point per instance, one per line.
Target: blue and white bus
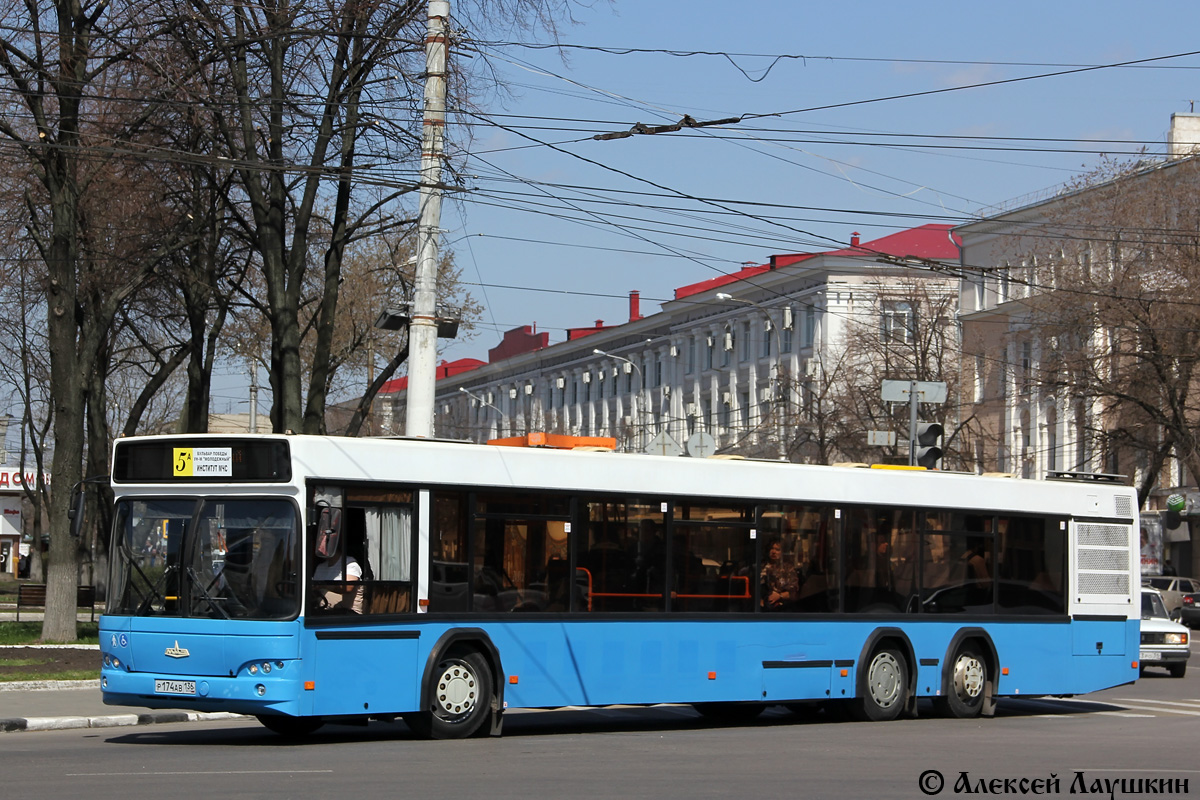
(456, 581)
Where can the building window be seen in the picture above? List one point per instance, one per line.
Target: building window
(1026, 366)
(897, 324)
(768, 335)
(747, 339)
(810, 326)
(691, 355)
(788, 334)
(710, 344)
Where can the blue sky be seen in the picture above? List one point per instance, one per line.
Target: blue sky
(862, 177)
(869, 182)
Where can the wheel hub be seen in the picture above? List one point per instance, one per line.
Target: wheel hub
(968, 677)
(457, 691)
(883, 680)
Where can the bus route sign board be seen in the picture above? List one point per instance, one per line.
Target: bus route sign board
(191, 462)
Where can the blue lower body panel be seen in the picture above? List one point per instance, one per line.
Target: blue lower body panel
(378, 670)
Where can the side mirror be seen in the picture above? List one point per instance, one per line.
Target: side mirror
(329, 532)
(75, 512)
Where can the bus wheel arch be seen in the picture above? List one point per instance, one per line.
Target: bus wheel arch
(885, 681)
(969, 671)
(462, 688)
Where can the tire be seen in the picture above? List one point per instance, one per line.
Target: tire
(291, 727)
(966, 685)
(885, 688)
(460, 698)
(731, 713)
(1178, 670)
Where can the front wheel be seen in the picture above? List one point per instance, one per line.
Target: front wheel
(886, 687)
(460, 697)
(1178, 670)
(968, 679)
(291, 727)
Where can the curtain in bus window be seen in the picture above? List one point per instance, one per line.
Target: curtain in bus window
(389, 542)
(389, 548)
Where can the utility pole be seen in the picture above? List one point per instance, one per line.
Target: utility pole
(422, 328)
(253, 397)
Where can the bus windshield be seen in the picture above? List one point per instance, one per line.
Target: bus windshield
(211, 557)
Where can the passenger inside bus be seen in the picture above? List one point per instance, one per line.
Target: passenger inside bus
(780, 582)
(338, 581)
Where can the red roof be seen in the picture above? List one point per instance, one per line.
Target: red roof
(927, 241)
(444, 370)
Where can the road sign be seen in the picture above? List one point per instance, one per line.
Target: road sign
(664, 445)
(881, 438)
(701, 444)
(926, 391)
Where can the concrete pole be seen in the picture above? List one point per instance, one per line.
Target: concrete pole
(253, 397)
(422, 330)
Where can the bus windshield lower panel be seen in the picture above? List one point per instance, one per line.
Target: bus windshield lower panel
(214, 558)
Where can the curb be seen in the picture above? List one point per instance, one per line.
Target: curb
(111, 721)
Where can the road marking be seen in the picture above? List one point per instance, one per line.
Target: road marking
(1133, 704)
(210, 772)
(1188, 703)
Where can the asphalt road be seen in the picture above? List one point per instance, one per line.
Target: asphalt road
(1144, 731)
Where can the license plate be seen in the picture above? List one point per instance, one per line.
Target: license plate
(174, 687)
(1151, 655)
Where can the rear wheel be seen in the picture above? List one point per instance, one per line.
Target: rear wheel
(885, 692)
(968, 679)
(460, 697)
(291, 727)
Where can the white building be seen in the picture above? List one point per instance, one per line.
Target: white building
(734, 356)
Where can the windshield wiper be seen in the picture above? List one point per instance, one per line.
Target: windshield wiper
(198, 584)
(156, 591)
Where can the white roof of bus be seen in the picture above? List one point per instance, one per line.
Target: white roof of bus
(453, 463)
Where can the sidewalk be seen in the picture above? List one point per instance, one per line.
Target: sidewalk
(59, 705)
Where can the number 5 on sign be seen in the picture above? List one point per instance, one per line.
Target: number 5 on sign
(181, 464)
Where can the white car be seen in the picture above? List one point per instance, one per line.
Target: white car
(1164, 643)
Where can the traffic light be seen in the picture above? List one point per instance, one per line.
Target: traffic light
(927, 451)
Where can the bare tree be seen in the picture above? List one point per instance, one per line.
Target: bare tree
(904, 330)
(1112, 278)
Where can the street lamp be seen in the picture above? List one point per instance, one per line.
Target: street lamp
(482, 402)
(776, 384)
(635, 400)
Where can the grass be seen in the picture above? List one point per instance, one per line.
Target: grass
(43, 669)
(65, 675)
(19, 633)
(49, 664)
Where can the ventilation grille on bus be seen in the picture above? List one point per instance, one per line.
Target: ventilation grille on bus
(1102, 562)
(1124, 506)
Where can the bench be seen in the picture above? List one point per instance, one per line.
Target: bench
(33, 595)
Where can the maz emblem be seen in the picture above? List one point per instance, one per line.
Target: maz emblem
(177, 651)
